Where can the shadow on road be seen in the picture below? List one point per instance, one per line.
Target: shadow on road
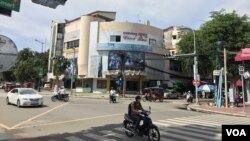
(113, 132)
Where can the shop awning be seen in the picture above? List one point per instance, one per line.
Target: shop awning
(243, 55)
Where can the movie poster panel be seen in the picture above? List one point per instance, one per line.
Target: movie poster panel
(132, 60)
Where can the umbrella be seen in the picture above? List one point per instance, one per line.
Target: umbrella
(206, 88)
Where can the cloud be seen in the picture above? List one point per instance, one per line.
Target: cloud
(34, 21)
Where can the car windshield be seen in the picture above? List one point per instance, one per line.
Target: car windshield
(28, 91)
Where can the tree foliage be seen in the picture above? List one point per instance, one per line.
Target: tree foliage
(223, 30)
(60, 65)
(27, 66)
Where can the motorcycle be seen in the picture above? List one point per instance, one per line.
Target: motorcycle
(60, 97)
(147, 128)
(112, 99)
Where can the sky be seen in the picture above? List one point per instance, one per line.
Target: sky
(33, 22)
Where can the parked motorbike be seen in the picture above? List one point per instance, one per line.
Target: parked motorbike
(146, 129)
(60, 97)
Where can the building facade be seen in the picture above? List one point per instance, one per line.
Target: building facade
(106, 53)
(172, 36)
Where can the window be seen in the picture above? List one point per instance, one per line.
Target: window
(152, 42)
(72, 44)
(115, 38)
(101, 84)
(174, 37)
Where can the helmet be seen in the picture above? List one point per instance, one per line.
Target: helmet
(137, 98)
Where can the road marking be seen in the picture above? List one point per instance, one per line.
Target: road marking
(97, 137)
(4, 126)
(111, 133)
(73, 138)
(37, 116)
(69, 121)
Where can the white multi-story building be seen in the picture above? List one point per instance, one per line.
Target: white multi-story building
(105, 50)
(172, 36)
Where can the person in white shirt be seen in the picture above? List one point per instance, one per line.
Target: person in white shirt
(112, 95)
(61, 91)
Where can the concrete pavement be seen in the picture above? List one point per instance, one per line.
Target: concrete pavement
(233, 111)
(202, 107)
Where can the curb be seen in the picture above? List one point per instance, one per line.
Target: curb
(211, 111)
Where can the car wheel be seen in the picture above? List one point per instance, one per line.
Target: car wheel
(41, 105)
(18, 103)
(7, 101)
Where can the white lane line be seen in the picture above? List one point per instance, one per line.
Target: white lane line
(111, 133)
(97, 137)
(73, 138)
(37, 116)
(4, 126)
(69, 121)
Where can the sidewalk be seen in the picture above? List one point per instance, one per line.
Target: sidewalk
(234, 111)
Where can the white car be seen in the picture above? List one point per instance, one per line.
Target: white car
(170, 94)
(24, 97)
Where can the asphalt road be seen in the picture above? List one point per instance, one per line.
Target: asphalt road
(85, 119)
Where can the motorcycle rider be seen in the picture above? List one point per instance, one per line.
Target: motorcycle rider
(112, 94)
(136, 108)
(61, 91)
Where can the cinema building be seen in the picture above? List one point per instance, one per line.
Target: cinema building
(107, 53)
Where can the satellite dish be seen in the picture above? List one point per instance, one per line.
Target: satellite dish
(8, 53)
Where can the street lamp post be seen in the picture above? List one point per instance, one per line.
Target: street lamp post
(195, 68)
(40, 70)
(40, 43)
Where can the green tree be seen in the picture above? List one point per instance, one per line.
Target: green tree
(231, 30)
(27, 67)
(60, 65)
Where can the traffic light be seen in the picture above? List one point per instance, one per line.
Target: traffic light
(62, 2)
(5, 11)
(6, 6)
(50, 3)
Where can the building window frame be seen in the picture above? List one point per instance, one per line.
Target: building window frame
(101, 84)
(115, 38)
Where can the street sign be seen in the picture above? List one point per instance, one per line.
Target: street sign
(196, 82)
(158, 83)
(11, 4)
(241, 70)
(216, 72)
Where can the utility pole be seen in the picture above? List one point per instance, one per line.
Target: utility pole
(40, 73)
(225, 76)
(72, 73)
(195, 68)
